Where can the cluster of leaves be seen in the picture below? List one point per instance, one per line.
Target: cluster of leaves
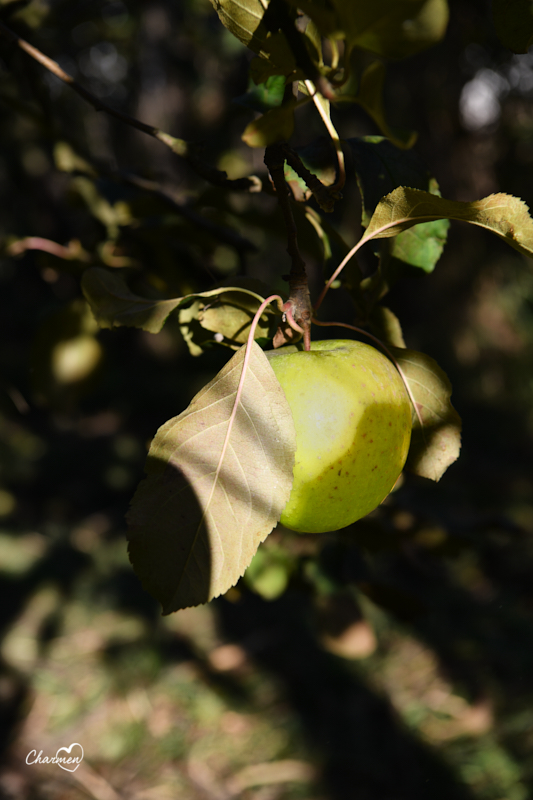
(216, 485)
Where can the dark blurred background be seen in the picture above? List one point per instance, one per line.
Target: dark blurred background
(391, 661)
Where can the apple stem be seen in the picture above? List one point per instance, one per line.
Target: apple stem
(306, 332)
(249, 341)
(385, 350)
(298, 307)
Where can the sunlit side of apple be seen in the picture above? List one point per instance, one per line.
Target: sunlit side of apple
(352, 416)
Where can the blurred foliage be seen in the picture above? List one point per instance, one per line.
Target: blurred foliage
(394, 659)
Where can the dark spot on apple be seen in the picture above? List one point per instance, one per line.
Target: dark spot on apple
(370, 441)
(339, 472)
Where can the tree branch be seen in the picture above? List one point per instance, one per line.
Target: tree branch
(324, 195)
(180, 147)
(298, 306)
(227, 235)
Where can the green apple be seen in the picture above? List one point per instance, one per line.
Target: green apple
(352, 416)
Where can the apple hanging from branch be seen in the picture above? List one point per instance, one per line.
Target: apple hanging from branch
(352, 416)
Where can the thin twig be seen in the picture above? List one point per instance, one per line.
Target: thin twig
(74, 251)
(324, 195)
(299, 302)
(178, 146)
(224, 234)
(363, 240)
(277, 17)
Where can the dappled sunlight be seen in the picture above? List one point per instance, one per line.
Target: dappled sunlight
(390, 659)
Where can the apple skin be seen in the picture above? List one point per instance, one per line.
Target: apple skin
(352, 416)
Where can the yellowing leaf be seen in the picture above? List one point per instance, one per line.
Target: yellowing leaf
(506, 216)
(274, 126)
(225, 319)
(215, 488)
(231, 314)
(386, 326)
(113, 303)
(245, 21)
(435, 444)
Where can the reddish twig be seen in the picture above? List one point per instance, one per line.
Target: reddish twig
(363, 240)
(74, 251)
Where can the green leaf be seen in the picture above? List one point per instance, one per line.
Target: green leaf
(67, 159)
(261, 70)
(276, 125)
(397, 28)
(389, 28)
(320, 158)
(314, 43)
(111, 215)
(66, 356)
(269, 573)
(370, 97)
(422, 245)
(435, 444)
(113, 304)
(506, 216)
(244, 18)
(380, 167)
(226, 317)
(199, 516)
(386, 326)
(268, 28)
(265, 96)
(513, 20)
(325, 17)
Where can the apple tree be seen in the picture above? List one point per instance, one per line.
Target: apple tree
(219, 475)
